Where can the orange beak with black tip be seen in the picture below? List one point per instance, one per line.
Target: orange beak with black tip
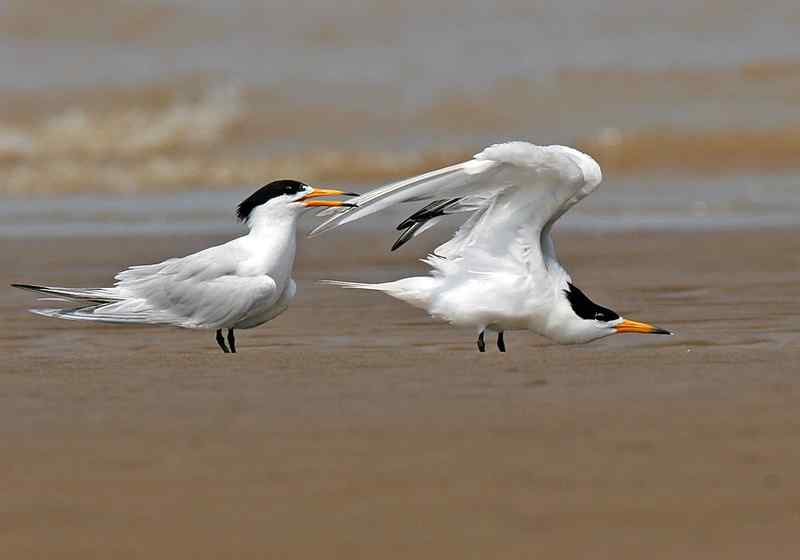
(327, 192)
(627, 326)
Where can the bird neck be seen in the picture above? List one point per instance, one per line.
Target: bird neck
(273, 221)
(272, 239)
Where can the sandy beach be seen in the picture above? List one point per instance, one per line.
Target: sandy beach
(354, 427)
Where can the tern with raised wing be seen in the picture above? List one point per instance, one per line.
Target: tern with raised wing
(237, 285)
(500, 271)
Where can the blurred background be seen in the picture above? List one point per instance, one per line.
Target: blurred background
(353, 426)
(158, 115)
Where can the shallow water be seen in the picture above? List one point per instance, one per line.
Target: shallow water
(692, 110)
(643, 203)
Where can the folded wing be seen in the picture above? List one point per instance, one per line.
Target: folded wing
(203, 290)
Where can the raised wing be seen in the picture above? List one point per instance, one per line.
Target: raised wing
(514, 191)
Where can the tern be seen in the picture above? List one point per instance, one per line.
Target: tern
(499, 272)
(237, 285)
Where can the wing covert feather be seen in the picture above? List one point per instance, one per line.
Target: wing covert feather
(200, 290)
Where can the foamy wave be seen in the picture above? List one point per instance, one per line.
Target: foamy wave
(164, 143)
(167, 136)
(619, 153)
(126, 133)
(162, 173)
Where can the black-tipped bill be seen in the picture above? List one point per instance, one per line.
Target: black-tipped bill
(627, 326)
(327, 192)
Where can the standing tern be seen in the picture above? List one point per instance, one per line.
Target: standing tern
(237, 285)
(499, 272)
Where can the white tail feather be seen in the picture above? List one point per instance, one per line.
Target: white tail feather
(102, 314)
(78, 294)
(354, 285)
(86, 313)
(97, 304)
(416, 290)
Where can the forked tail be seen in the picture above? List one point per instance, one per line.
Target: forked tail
(83, 295)
(92, 304)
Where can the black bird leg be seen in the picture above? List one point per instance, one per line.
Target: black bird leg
(221, 341)
(481, 342)
(231, 341)
(501, 343)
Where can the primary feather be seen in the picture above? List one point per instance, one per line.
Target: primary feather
(511, 190)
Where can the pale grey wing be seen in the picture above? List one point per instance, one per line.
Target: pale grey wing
(590, 178)
(513, 190)
(455, 181)
(200, 290)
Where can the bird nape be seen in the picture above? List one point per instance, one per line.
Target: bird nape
(237, 285)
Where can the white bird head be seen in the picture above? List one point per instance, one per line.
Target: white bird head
(286, 194)
(589, 321)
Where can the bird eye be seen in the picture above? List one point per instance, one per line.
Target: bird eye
(599, 316)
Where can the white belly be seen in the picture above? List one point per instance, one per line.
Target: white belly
(496, 302)
(260, 314)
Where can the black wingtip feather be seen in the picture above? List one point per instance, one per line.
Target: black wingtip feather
(415, 221)
(27, 287)
(428, 212)
(405, 236)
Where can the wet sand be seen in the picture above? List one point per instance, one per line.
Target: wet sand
(354, 427)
